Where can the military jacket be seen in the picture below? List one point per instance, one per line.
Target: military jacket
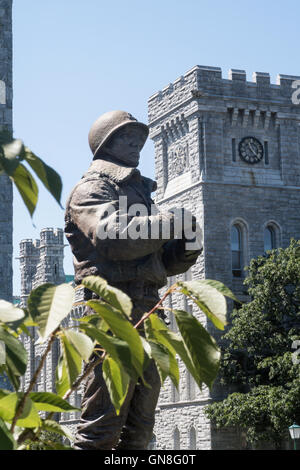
(101, 203)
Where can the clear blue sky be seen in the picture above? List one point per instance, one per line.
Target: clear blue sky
(74, 60)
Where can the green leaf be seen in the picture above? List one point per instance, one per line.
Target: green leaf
(9, 313)
(115, 347)
(4, 393)
(49, 177)
(7, 441)
(16, 355)
(8, 406)
(219, 286)
(26, 186)
(29, 417)
(297, 252)
(153, 328)
(49, 305)
(165, 354)
(28, 322)
(123, 329)
(9, 154)
(14, 379)
(72, 360)
(95, 321)
(113, 296)
(117, 382)
(82, 343)
(176, 341)
(12, 149)
(2, 353)
(171, 340)
(147, 356)
(208, 299)
(166, 363)
(53, 426)
(25, 330)
(62, 382)
(46, 401)
(202, 347)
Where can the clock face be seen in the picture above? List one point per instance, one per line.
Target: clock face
(251, 150)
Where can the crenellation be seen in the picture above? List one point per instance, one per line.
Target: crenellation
(202, 84)
(237, 75)
(50, 236)
(286, 80)
(261, 79)
(201, 165)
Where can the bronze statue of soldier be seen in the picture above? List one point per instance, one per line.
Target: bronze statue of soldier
(137, 266)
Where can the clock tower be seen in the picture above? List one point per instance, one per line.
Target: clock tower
(229, 151)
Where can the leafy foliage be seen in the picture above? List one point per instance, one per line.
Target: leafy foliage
(257, 357)
(106, 336)
(12, 153)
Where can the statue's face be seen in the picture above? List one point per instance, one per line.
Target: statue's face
(125, 145)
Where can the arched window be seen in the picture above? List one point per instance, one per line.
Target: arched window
(176, 439)
(236, 250)
(190, 386)
(188, 276)
(192, 438)
(269, 238)
(175, 393)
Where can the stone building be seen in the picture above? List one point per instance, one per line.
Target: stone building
(6, 194)
(228, 150)
(41, 261)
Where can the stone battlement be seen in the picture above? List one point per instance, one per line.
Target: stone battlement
(202, 81)
(29, 247)
(51, 236)
(48, 236)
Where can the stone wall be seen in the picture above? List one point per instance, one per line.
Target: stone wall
(41, 261)
(197, 124)
(6, 195)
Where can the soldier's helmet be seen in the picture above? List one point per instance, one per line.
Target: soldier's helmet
(107, 124)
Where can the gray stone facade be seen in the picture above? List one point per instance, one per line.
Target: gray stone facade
(197, 124)
(41, 261)
(6, 194)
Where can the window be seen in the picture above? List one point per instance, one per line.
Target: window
(192, 443)
(186, 305)
(176, 439)
(77, 404)
(269, 238)
(175, 397)
(233, 145)
(266, 151)
(190, 386)
(236, 250)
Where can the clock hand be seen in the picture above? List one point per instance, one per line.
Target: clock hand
(253, 151)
